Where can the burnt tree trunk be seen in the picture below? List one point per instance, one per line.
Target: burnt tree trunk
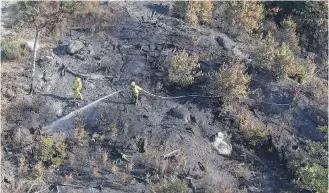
(38, 29)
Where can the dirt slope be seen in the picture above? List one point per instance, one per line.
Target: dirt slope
(136, 47)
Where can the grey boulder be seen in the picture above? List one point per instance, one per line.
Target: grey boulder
(74, 47)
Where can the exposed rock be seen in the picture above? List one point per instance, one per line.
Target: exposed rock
(91, 50)
(74, 47)
(8, 175)
(238, 53)
(155, 179)
(225, 41)
(49, 58)
(79, 56)
(46, 77)
(103, 2)
(221, 144)
(134, 67)
(180, 112)
(10, 93)
(60, 50)
(30, 44)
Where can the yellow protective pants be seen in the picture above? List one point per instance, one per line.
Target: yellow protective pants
(77, 94)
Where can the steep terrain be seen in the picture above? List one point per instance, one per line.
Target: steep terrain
(115, 146)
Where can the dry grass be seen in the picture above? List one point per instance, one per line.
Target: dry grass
(129, 166)
(174, 185)
(223, 183)
(153, 160)
(317, 89)
(14, 48)
(114, 168)
(114, 132)
(242, 171)
(311, 66)
(91, 7)
(252, 129)
(105, 157)
(79, 126)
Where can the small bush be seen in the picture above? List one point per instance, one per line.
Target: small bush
(310, 166)
(205, 13)
(231, 82)
(183, 68)
(311, 66)
(268, 51)
(193, 11)
(90, 6)
(37, 171)
(324, 130)
(176, 186)
(70, 6)
(79, 129)
(252, 129)
(50, 152)
(21, 161)
(284, 62)
(271, 27)
(312, 177)
(27, 9)
(317, 88)
(288, 34)
(302, 72)
(13, 49)
(222, 183)
(247, 14)
(179, 9)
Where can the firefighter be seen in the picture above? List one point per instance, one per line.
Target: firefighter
(135, 91)
(76, 88)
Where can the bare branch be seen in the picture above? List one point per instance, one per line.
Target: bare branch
(170, 154)
(42, 190)
(31, 187)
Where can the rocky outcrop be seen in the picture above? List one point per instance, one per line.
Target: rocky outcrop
(180, 112)
(74, 47)
(221, 144)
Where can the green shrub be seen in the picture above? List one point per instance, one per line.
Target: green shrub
(70, 6)
(288, 34)
(51, 152)
(231, 82)
(268, 51)
(176, 186)
(247, 14)
(284, 62)
(311, 19)
(324, 130)
(302, 72)
(183, 68)
(27, 10)
(37, 171)
(312, 177)
(193, 11)
(310, 167)
(253, 130)
(13, 49)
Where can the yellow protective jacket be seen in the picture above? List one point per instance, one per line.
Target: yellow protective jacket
(135, 89)
(77, 84)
